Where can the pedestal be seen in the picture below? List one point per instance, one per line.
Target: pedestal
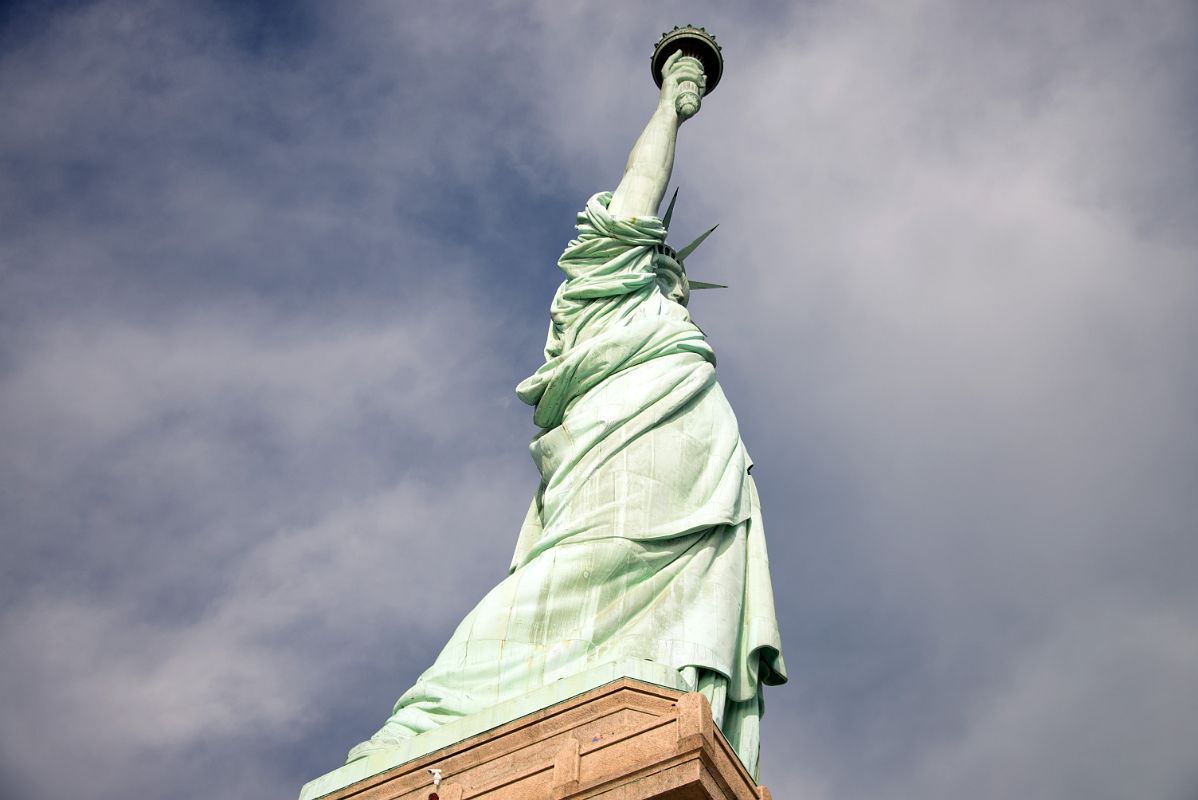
(626, 740)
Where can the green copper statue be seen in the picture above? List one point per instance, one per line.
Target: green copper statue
(644, 539)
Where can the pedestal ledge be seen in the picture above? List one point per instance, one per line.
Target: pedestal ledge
(629, 739)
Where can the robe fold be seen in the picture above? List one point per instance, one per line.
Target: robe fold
(644, 538)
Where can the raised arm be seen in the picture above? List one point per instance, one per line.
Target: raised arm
(647, 173)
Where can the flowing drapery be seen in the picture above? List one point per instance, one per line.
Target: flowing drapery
(644, 538)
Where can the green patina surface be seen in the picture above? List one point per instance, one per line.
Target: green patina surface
(644, 542)
(645, 539)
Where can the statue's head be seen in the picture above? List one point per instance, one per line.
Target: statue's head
(671, 274)
(670, 264)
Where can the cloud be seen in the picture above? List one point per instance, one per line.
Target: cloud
(1084, 686)
(976, 337)
(270, 277)
(247, 545)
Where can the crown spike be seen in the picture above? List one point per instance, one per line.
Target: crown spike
(690, 248)
(665, 221)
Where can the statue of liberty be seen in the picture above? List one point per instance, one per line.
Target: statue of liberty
(644, 538)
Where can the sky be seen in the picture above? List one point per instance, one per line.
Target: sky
(269, 274)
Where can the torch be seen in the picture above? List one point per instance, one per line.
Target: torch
(696, 43)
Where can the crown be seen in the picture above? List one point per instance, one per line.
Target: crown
(681, 255)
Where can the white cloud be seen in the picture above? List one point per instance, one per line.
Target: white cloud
(280, 608)
(1077, 715)
(260, 362)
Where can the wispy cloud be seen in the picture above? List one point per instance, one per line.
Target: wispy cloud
(270, 275)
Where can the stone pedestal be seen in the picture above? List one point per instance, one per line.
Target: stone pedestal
(626, 740)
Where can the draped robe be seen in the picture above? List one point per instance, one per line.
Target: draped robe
(644, 538)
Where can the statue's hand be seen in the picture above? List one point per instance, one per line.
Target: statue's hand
(682, 85)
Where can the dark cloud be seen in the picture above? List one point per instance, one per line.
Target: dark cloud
(271, 271)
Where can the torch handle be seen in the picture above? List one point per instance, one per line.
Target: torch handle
(687, 101)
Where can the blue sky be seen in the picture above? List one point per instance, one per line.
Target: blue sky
(269, 274)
